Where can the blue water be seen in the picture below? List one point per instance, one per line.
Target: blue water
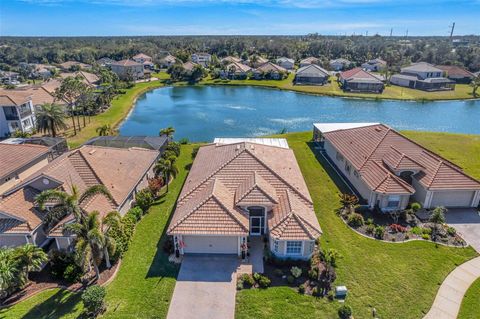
(202, 113)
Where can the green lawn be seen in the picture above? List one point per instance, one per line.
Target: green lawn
(471, 302)
(399, 280)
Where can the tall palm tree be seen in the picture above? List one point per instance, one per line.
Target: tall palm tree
(168, 131)
(112, 219)
(104, 130)
(50, 118)
(70, 89)
(91, 242)
(30, 258)
(166, 167)
(65, 203)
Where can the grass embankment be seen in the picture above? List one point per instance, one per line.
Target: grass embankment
(470, 308)
(144, 284)
(462, 91)
(399, 280)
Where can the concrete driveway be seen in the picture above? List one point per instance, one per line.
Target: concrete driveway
(467, 223)
(205, 288)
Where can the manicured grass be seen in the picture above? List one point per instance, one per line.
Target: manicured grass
(145, 282)
(471, 302)
(462, 91)
(399, 280)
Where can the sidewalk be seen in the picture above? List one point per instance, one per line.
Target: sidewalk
(450, 295)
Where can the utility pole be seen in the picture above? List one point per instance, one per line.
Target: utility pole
(451, 30)
(391, 32)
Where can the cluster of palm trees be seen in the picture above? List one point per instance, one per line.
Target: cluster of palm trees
(166, 167)
(92, 244)
(16, 264)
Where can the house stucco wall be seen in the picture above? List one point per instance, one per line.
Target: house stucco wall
(307, 249)
(12, 240)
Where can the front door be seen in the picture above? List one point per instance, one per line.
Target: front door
(255, 225)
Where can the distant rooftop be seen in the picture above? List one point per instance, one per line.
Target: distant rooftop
(330, 127)
(148, 142)
(278, 142)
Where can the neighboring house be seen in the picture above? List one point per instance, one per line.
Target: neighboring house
(9, 77)
(375, 65)
(359, 80)
(311, 74)
(309, 61)
(189, 66)
(389, 170)
(43, 71)
(156, 143)
(128, 69)
(236, 70)
(202, 58)
(66, 66)
(286, 63)
(230, 59)
(340, 64)
(51, 85)
(39, 95)
(456, 73)
(18, 161)
(105, 62)
(123, 172)
(16, 112)
(422, 76)
(269, 70)
(167, 61)
(144, 59)
(238, 189)
(256, 60)
(56, 145)
(89, 79)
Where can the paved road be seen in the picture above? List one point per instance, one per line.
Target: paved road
(450, 295)
(205, 288)
(467, 223)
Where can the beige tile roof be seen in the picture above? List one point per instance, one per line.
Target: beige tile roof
(239, 67)
(126, 63)
(231, 59)
(87, 77)
(21, 208)
(40, 95)
(51, 85)
(141, 56)
(368, 148)
(246, 172)
(189, 65)
(309, 60)
(269, 66)
(13, 97)
(15, 156)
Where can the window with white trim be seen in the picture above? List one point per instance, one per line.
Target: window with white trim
(275, 246)
(294, 248)
(393, 201)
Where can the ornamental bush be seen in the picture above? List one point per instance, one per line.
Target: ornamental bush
(264, 281)
(94, 300)
(345, 312)
(290, 279)
(144, 199)
(296, 272)
(379, 232)
(301, 289)
(247, 280)
(355, 220)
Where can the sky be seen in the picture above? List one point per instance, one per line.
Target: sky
(241, 17)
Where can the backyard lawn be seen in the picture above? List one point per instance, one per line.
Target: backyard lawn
(471, 302)
(399, 280)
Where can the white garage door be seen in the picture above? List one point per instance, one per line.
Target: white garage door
(453, 199)
(210, 244)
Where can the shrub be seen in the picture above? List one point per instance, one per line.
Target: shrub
(296, 272)
(73, 273)
(59, 261)
(183, 141)
(290, 279)
(345, 312)
(451, 231)
(315, 291)
(313, 274)
(264, 281)
(168, 246)
(301, 289)
(417, 230)
(426, 236)
(256, 276)
(247, 279)
(195, 151)
(369, 221)
(426, 230)
(379, 232)
(370, 229)
(278, 272)
(144, 199)
(396, 228)
(355, 220)
(415, 207)
(136, 212)
(154, 185)
(239, 285)
(93, 299)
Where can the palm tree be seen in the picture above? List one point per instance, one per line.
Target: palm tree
(475, 84)
(437, 218)
(65, 204)
(30, 258)
(168, 131)
(112, 219)
(50, 118)
(104, 130)
(166, 167)
(9, 271)
(91, 243)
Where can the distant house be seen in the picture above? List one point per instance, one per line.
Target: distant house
(236, 70)
(375, 65)
(388, 170)
(230, 59)
(256, 60)
(39, 95)
(201, 58)
(56, 145)
(90, 79)
(9, 77)
(269, 70)
(144, 59)
(456, 73)
(358, 80)
(18, 161)
(167, 61)
(105, 62)
(308, 61)
(286, 63)
(51, 85)
(128, 69)
(423, 76)
(339, 64)
(156, 143)
(311, 74)
(67, 66)
(17, 112)
(189, 66)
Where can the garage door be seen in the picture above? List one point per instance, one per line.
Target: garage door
(452, 199)
(210, 244)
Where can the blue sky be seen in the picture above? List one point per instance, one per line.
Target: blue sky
(180, 17)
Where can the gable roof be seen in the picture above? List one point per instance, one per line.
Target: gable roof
(309, 60)
(239, 67)
(358, 74)
(20, 208)
(141, 56)
(125, 63)
(231, 59)
(255, 190)
(14, 157)
(269, 66)
(455, 71)
(285, 59)
(13, 97)
(369, 150)
(312, 70)
(189, 65)
(340, 60)
(421, 67)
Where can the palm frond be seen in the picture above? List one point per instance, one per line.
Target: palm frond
(95, 190)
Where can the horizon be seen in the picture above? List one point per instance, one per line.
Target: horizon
(123, 18)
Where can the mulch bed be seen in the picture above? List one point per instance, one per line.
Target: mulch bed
(43, 280)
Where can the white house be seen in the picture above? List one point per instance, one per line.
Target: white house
(16, 112)
(202, 58)
(286, 63)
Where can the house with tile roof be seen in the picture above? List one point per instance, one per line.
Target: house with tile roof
(128, 69)
(388, 170)
(90, 79)
(123, 172)
(201, 58)
(286, 63)
(238, 189)
(456, 73)
(70, 65)
(236, 70)
(145, 60)
(423, 76)
(375, 65)
(308, 61)
(359, 80)
(17, 112)
(230, 59)
(269, 70)
(167, 61)
(311, 74)
(340, 64)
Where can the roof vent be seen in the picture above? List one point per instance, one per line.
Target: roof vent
(91, 152)
(238, 147)
(378, 129)
(252, 147)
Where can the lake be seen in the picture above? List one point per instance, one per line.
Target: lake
(201, 113)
